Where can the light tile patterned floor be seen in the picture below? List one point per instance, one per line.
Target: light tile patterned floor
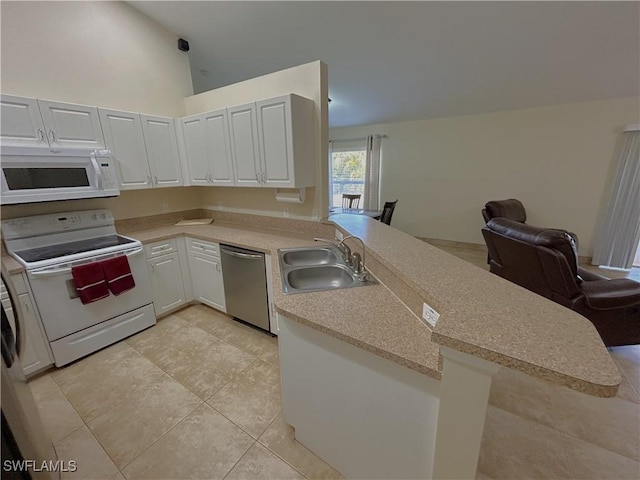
(197, 396)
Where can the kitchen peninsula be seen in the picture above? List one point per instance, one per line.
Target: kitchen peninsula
(364, 357)
(428, 387)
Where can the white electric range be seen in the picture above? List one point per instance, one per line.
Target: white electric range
(49, 246)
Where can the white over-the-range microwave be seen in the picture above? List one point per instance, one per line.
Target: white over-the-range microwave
(32, 174)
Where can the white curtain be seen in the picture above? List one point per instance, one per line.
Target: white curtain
(617, 241)
(371, 199)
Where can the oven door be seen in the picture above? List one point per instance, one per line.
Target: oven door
(60, 308)
(32, 175)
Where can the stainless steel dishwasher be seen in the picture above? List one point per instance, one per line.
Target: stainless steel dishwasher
(245, 285)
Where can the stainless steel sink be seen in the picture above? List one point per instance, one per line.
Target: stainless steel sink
(310, 269)
(320, 277)
(311, 256)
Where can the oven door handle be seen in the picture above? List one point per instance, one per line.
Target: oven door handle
(59, 271)
(50, 272)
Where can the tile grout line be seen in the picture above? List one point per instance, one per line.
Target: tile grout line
(139, 387)
(254, 358)
(85, 424)
(240, 459)
(282, 458)
(159, 438)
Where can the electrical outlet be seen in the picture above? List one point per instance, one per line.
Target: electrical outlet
(339, 235)
(429, 315)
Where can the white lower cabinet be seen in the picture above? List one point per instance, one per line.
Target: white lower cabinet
(165, 272)
(36, 354)
(206, 273)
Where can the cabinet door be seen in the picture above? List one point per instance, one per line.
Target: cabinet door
(206, 279)
(36, 354)
(195, 147)
(123, 136)
(244, 145)
(162, 150)
(70, 125)
(167, 288)
(21, 122)
(218, 147)
(276, 142)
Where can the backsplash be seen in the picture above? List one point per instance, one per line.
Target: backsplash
(256, 221)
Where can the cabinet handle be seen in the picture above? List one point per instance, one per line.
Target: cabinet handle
(155, 180)
(52, 136)
(41, 136)
(149, 180)
(26, 306)
(257, 177)
(153, 267)
(218, 267)
(262, 177)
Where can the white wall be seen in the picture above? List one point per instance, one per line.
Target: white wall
(310, 81)
(557, 160)
(96, 53)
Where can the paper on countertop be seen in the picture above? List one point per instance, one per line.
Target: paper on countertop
(194, 221)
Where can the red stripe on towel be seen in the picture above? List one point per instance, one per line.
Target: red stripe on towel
(90, 282)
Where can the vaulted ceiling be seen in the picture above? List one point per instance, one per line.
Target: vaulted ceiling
(400, 61)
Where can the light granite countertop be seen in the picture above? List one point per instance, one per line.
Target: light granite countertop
(486, 316)
(372, 317)
(480, 313)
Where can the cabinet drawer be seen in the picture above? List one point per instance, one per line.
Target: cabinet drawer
(202, 246)
(160, 248)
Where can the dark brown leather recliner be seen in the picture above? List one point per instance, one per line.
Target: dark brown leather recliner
(545, 261)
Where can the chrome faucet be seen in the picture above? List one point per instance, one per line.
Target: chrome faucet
(346, 251)
(359, 269)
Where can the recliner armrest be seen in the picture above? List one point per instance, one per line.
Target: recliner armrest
(610, 294)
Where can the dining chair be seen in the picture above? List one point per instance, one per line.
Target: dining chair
(350, 200)
(387, 212)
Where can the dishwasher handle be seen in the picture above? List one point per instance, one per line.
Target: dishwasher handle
(254, 256)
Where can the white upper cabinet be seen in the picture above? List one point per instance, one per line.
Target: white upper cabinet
(286, 141)
(145, 147)
(216, 132)
(272, 142)
(243, 132)
(195, 150)
(21, 122)
(123, 135)
(31, 122)
(162, 150)
(207, 148)
(69, 125)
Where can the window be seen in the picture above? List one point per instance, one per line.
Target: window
(347, 165)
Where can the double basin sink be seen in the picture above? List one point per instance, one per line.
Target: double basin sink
(312, 269)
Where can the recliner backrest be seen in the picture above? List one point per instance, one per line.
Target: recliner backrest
(511, 208)
(541, 259)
